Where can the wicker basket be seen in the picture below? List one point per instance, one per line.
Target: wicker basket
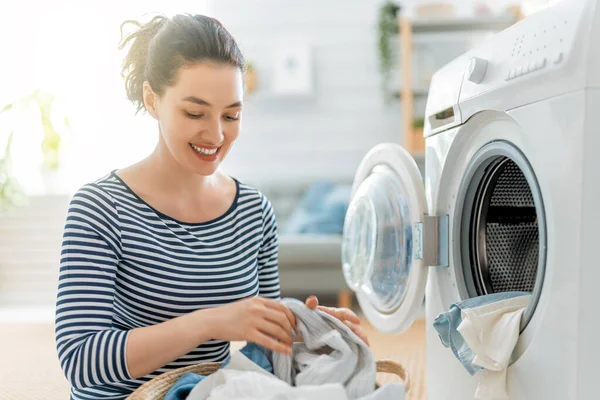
(157, 388)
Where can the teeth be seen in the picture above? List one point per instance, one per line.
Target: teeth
(208, 152)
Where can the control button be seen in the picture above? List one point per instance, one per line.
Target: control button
(533, 66)
(558, 58)
(477, 69)
(518, 71)
(508, 75)
(541, 63)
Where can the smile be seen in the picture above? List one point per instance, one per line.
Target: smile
(204, 151)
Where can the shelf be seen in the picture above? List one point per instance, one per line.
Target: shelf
(419, 92)
(457, 24)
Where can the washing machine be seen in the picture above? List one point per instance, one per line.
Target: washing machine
(509, 201)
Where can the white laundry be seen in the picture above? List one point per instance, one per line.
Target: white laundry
(242, 379)
(330, 353)
(246, 385)
(237, 362)
(331, 364)
(492, 331)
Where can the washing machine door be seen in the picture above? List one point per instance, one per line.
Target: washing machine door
(382, 249)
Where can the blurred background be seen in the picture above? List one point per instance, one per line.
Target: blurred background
(327, 80)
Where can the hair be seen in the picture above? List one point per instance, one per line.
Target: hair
(161, 46)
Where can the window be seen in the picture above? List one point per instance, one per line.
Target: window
(69, 48)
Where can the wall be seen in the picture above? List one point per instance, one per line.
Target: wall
(30, 239)
(286, 139)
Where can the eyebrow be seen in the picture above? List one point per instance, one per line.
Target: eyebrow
(194, 99)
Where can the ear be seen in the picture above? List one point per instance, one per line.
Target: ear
(150, 100)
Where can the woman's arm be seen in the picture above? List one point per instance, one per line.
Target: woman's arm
(268, 255)
(91, 351)
(155, 346)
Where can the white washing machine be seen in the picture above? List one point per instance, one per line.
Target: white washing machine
(510, 202)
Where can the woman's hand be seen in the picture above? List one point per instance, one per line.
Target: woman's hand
(258, 320)
(345, 315)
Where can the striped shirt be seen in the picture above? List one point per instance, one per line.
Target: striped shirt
(125, 265)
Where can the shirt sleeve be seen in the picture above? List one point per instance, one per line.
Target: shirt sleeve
(91, 351)
(268, 262)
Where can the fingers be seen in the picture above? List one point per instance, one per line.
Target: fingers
(279, 319)
(343, 314)
(312, 302)
(270, 343)
(276, 331)
(275, 305)
(357, 331)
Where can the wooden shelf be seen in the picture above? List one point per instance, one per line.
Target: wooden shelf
(420, 92)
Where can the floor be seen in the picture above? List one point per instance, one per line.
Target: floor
(29, 349)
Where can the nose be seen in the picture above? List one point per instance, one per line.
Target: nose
(214, 133)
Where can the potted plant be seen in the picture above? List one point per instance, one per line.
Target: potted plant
(419, 125)
(387, 29)
(10, 191)
(42, 104)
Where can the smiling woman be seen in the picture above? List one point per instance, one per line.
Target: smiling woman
(166, 261)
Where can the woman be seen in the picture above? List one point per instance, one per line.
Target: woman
(168, 260)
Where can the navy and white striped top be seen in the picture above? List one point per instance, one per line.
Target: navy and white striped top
(125, 265)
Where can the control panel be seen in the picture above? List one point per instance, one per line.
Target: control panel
(534, 51)
(539, 43)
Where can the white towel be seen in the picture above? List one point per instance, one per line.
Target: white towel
(237, 362)
(243, 385)
(332, 364)
(492, 331)
(243, 380)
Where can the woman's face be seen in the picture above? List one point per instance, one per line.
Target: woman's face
(200, 116)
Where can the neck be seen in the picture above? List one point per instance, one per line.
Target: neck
(171, 176)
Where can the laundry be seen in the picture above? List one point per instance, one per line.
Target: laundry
(331, 364)
(188, 381)
(491, 331)
(229, 384)
(446, 324)
(330, 353)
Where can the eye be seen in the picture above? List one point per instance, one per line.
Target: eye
(232, 117)
(194, 116)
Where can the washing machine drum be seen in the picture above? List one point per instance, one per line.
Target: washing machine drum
(503, 232)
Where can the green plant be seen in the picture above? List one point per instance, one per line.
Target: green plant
(419, 123)
(51, 141)
(43, 103)
(10, 191)
(387, 28)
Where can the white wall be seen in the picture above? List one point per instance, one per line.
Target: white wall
(319, 138)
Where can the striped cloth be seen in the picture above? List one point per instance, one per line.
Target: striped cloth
(125, 265)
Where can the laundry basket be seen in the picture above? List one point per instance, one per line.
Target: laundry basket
(157, 388)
